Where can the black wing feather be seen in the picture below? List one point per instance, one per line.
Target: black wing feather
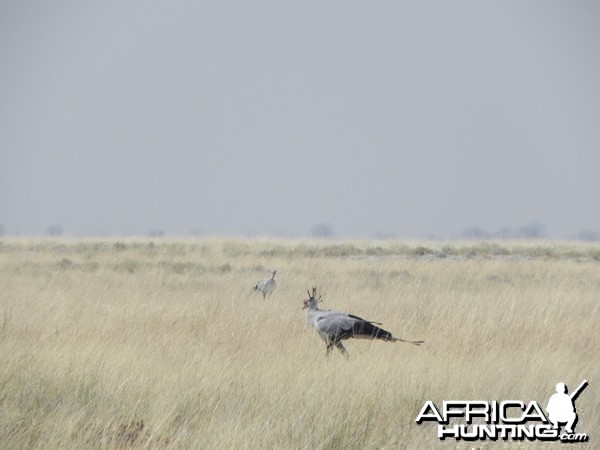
(364, 320)
(367, 329)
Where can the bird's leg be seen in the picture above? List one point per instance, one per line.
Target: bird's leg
(342, 349)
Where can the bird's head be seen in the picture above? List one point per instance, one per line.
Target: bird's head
(312, 301)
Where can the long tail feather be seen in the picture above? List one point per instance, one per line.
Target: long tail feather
(407, 341)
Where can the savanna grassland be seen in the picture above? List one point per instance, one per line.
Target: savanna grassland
(142, 343)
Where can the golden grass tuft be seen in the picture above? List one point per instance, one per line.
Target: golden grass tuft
(135, 343)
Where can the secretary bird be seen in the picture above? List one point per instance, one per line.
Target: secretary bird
(266, 286)
(333, 326)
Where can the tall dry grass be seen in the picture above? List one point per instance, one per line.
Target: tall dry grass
(162, 344)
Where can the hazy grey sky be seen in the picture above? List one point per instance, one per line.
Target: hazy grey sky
(411, 118)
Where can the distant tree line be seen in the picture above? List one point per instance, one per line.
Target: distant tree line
(323, 230)
(534, 230)
(54, 230)
(589, 235)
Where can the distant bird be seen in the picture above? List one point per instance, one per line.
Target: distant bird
(266, 286)
(334, 326)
